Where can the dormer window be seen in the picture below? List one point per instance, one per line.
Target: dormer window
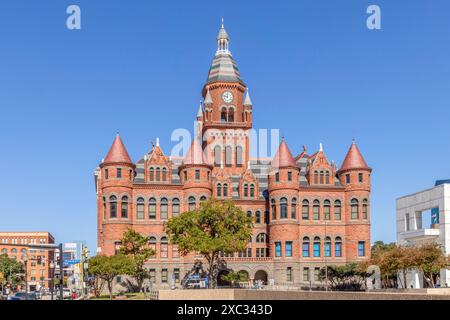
(360, 177)
(347, 178)
(106, 174)
(119, 172)
(289, 176)
(197, 175)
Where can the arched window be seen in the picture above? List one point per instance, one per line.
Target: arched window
(219, 190)
(158, 174)
(326, 209)
(258, 217)
(217, 156)
(13, 250)
(124, 206)
(321, 177)
(164, 247)
(327, 177)
(202, 198)
(338, 247)
(140, 208)
(327, 247)
(152, 174)
(262, 238)
(239, 160)
(175, 207)
(249, 214)
(364, 208)
(294, 208)
(354, 209)
(163, 209)
(152, 243)
(191, 203)
(164, 174)
(316, 210)
(231, 115)
(274, 210)
(225, 190)
(337, 210)
(228, 156)
(316, 247)
(316, 177)
(305, 210)
(252, 191)
(113, 207)
(223, 115)
(4, 251)
(245, 190)
(283, 208)
(152, 208)
(305, 247)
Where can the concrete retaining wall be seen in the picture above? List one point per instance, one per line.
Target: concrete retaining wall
(240, 294)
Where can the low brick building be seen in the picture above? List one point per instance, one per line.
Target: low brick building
(38, 265)
(307, 211)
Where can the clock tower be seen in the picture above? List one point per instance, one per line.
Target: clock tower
(227, 117)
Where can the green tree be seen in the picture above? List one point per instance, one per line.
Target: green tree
(10, 270)
(108, 267)
(213, 228)
(234, 277)
(430, 259)
(135, 245)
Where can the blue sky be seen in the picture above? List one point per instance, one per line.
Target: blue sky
(314, 70)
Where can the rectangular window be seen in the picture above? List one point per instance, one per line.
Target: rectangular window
(140, 211)
(124, 210)
(317, 274)
(364, 211)
(337, 212)
(119, 173)
(361, 249)
(175, 210)
(106, 174)
(164, 250)
(347, 178)
(164, 275)
(197, 175)
(185, 175)
(407, 222)
(360, 177)
(316, 249)
(305, 212)
(326, 212)
(289, 176)
(316, 215)
(305, 274)
(288, 248)
(289, 274)
(327, 249)
(293, 211)
(338, 249)
(277, 249)
(277, 177)
(175, 251)
(305, 250)
(164, 210)
(152, 275)
(176, 275)
(152, 211)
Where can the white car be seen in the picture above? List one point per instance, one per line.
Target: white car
(67, 294)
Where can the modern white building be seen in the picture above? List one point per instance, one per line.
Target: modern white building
(425, 216)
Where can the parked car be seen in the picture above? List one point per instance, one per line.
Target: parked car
(23, 296)
(67, 294)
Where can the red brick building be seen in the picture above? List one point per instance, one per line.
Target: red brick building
(306, 211)
(38, 264)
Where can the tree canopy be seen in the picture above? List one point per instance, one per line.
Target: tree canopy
(215, 227)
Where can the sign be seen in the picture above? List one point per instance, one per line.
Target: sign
(434, 216)
(69, 262)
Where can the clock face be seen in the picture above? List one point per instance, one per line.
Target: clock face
(227, 96)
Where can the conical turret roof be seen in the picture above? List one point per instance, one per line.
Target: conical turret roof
(118, 153)
(354, 159)
(283, 157)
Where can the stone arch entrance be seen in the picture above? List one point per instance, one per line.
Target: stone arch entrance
(261, 275)
(220, 281)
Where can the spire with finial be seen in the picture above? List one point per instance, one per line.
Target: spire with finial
(222, 40)
(208, 100)
(200, 111)
(117, 153)
(320, 147)
(247, 101)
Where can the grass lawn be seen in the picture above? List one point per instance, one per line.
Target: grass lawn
(129, 296)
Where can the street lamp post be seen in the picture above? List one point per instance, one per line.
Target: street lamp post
(52, 276)
(25, 260)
